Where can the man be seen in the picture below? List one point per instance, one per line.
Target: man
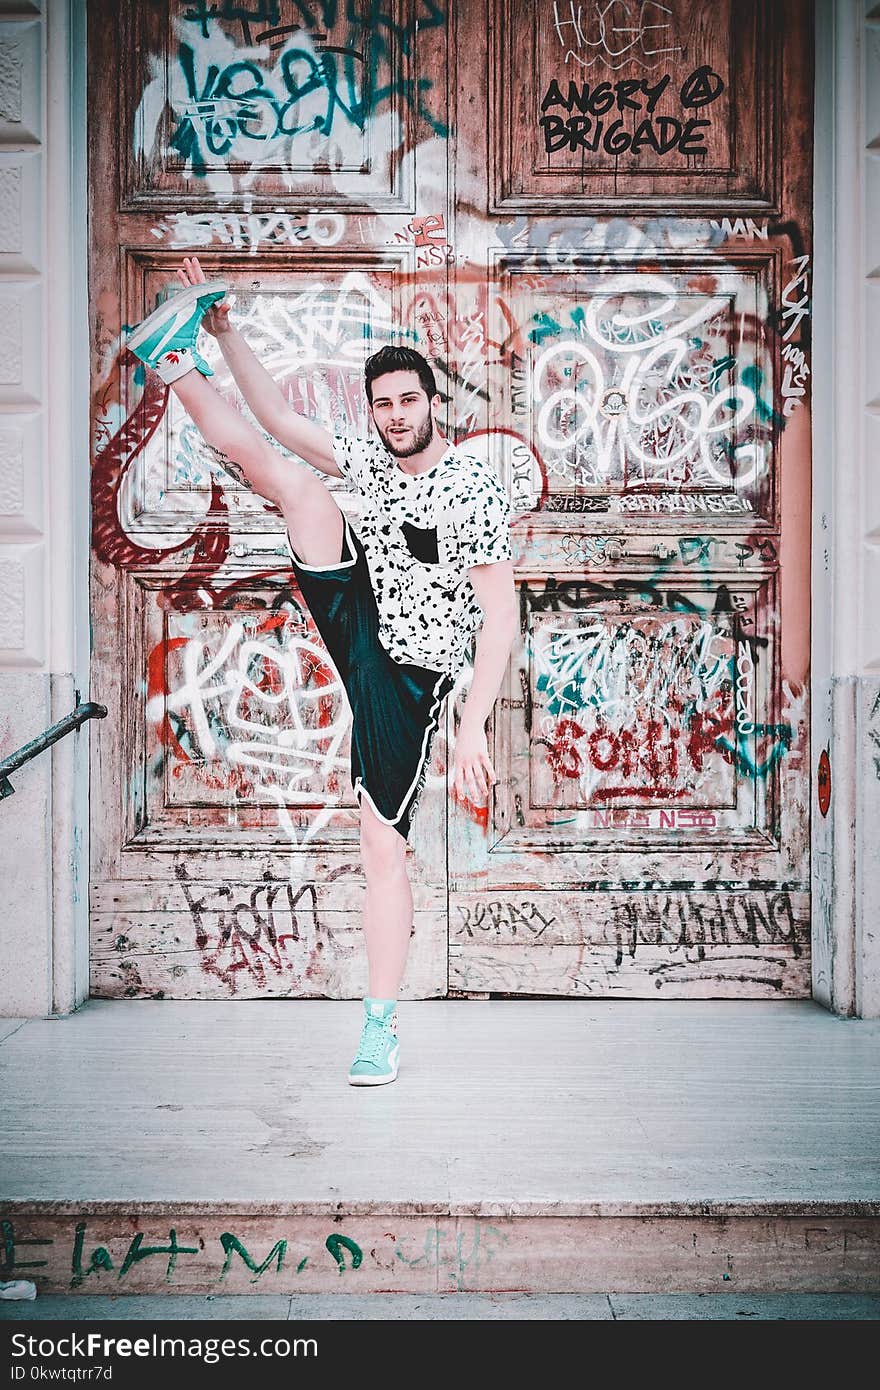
(396, 602)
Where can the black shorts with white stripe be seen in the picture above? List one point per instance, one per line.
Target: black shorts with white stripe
(395, 707)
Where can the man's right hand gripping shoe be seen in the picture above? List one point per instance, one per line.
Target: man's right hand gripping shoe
(166, 339)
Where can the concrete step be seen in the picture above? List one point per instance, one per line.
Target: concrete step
(528, 1146)
(708, 1248)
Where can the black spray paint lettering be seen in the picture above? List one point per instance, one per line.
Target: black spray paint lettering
(681, 922)
(503, 918)
(261, 913)
(662, 133)
(239, 103)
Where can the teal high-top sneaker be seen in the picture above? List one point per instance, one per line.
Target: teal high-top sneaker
(377, 1055)
(166, 339)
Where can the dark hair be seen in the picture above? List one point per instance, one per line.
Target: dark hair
(398, 359)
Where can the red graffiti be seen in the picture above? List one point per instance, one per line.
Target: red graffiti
(517, 439)
(823, 781)
(653, 750)
(478, 814)
(156, 685)
(562, 755)
(210, 540)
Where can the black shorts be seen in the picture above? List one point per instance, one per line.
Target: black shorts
(395, 707)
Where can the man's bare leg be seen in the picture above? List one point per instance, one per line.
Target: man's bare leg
(388, 904)
(315, 524)
(312, 516)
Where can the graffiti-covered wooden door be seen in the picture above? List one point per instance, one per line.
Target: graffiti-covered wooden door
(593, 218)
(632, 236)
(284, 143)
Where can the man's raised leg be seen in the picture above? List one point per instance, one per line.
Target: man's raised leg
(312, 516)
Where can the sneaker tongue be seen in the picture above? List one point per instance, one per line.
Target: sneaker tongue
(377, 1009)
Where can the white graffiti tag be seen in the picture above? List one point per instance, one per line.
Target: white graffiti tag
(277, 711)
(796, 308)
(615, 32)
(612, 668)
(645, 392)
(250, 230)
(794, 380)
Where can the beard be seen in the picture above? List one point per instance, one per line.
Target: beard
(422, 436)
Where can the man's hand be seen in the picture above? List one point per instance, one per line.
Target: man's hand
(216, 320)
(474, 773)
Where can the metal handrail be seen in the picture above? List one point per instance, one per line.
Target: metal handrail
(89, 710)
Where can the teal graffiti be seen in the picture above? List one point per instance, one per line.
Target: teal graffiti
(8, 1241)
(545, 327)
(335, 1244)
(240, 102)
(739, 752)
(136, 1252)
(368, 15)
(101, 1259)
(446, 1248)
(233, 1246)
(267, 11)
(753, 378)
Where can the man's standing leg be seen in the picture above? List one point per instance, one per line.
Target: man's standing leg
(388, 905)
(387, 922)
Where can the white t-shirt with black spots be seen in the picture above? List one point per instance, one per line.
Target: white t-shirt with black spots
(421, 533)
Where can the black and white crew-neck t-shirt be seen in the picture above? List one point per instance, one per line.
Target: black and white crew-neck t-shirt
(421, 533)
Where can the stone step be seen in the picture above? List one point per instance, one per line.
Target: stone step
(359, 1248)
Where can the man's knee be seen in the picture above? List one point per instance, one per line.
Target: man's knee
(383, 849)
(313, 519)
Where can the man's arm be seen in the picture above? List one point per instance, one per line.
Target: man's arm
(264, 396)
(496, 595)
(268, 403)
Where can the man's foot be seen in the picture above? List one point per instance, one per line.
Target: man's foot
(377, 1055)
(166, 339)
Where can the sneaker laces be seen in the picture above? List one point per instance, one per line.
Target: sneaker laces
(373, 1039)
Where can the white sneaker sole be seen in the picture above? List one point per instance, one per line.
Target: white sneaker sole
(373, 1080)
(147, 327)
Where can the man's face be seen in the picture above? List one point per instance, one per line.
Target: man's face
(402, 413)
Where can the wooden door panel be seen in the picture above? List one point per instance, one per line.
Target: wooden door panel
(648, 373)
(631, 106)
(250, 945)
(652, 376)
(312, 322)
(272, 102)
(244, 715)
(282, 143)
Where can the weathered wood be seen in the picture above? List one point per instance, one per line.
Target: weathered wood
(216, 777)
(632, 920)
(620, 159)
(624, 334)
(211, 894)
(284, 948)
(670, 972)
